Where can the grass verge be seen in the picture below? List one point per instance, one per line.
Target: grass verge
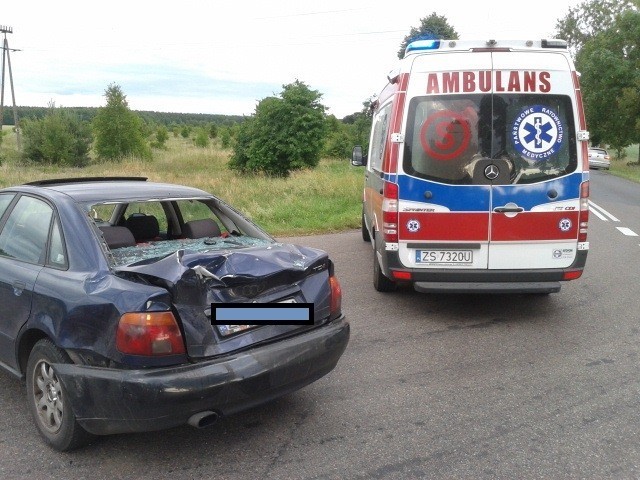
(325, 199)
(621, 168)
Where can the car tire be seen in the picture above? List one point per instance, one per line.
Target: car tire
(48, 399)
(365, 233)
(380, 282)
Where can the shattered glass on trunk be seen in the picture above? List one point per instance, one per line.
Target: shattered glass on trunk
(156, 250)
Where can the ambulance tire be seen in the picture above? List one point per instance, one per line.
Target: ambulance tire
(380, 282)
(365, 233)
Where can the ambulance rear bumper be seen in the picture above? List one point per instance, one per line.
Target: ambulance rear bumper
(485, 281)
(493, 287)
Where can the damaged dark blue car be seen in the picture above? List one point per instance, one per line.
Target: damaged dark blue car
(107, 287)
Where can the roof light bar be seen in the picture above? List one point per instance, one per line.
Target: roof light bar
(553, 43)
(422, 45)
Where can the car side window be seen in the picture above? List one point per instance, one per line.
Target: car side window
(24, 235)
(379, 135)
(5, 200)
(57, 252)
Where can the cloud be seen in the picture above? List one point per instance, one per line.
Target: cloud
(146, 83)
(202, 56)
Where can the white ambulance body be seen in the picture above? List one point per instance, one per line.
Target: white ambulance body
(477, 176)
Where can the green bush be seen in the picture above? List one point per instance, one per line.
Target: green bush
(286, 133)
(225, 137)
(202, 138)
(162, 135)
(59, 138)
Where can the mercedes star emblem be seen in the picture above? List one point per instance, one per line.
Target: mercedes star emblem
(491, 172)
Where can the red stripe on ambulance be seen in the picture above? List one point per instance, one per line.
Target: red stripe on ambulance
(531, 226)
(450, 226)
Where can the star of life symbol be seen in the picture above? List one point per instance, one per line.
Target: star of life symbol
(413, 226)
(536, 129)
(538, 132)
(565, 225)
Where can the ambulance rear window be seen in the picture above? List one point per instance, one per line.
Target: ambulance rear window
(447, 135)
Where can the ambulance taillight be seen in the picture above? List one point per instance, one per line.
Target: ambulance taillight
(584, 212)
(390, 212)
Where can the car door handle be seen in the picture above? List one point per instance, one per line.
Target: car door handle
(506, 209)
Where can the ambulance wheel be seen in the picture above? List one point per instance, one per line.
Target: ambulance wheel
(365, 233)
(380, 282)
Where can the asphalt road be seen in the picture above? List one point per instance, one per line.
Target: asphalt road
(431, 386)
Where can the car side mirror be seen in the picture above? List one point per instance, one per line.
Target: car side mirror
(357, 158)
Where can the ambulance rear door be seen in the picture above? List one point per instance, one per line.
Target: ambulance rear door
(535, 208)
(444, 211)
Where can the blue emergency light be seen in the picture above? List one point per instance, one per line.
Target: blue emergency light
(422, 45)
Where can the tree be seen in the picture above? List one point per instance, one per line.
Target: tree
(119, 131)
(339, 140)
(225, 137)
(589, 18)
(213, 131)
(162, 135)
(59, 138)
(432, 27)
(285, 133)
(610, 65)
(342, 136)
(202, 138)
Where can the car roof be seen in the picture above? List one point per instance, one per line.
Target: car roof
(126, 189)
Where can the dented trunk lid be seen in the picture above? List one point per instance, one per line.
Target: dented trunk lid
(199, 277)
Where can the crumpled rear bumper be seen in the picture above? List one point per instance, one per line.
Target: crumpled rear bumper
(107, 401)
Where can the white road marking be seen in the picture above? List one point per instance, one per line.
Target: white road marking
(599, 212)
(627, 231)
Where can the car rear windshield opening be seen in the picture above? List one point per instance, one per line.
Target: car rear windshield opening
(146, 231)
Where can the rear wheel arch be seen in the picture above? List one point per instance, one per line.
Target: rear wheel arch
(380, 281)
(27, 341)
(366, 234)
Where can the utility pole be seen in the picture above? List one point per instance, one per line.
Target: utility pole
(6, 59)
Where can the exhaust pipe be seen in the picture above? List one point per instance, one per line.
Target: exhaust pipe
(203, 419)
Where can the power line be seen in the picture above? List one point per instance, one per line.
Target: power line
(306, 14)
(6, 59)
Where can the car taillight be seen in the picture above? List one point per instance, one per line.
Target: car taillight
(336, 297)
(572, 274)
(584, 212)
(150, 334)
(390, 212)
(401, 275)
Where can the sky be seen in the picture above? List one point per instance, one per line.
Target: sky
(210, 56)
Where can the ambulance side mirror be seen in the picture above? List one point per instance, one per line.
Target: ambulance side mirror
(357, 157)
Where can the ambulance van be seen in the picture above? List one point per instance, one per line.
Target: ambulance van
(477, 176)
